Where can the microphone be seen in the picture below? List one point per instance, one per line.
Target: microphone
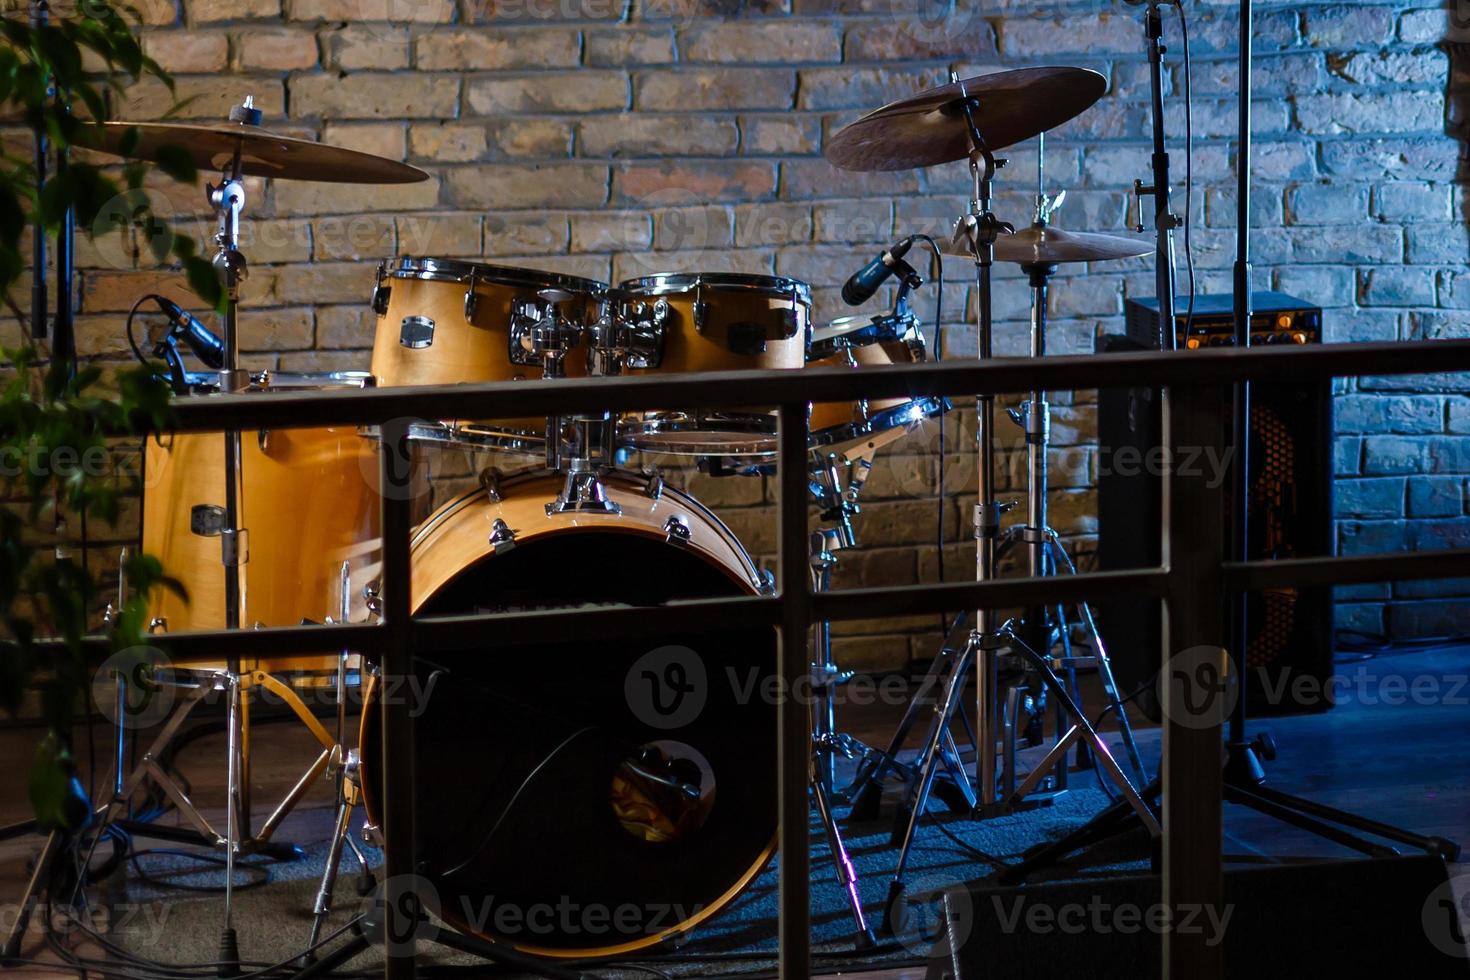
(201, 340)
(865, 282)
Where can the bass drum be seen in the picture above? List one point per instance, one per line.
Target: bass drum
(585, 799)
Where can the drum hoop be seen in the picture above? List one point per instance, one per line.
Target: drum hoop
(673, 283)
(480, 437)
(265, 382)
(760, 430)
(452, 270)
(686, 501)
(906, 414)
(829, 342)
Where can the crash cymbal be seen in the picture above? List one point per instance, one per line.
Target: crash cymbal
(262, 153)
(1045, 245)
(929, 128)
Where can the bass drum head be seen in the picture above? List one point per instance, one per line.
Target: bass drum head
(584, 799)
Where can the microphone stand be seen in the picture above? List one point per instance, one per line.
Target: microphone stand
(1165, 221)
(63, 341)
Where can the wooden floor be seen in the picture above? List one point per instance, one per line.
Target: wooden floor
(1396, 758)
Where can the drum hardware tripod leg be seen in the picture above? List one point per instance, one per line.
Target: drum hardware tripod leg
(1081, 729)
(893, 911)
(38, 883)
(823, 751)
(345, 771)
(867, 786)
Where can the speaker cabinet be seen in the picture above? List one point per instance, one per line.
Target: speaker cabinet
(1290, 641)
(1379, 917)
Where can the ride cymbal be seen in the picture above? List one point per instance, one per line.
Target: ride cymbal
(929, 128)
(262, 153)
(1045, 245)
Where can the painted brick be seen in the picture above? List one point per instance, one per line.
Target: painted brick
(577, 91)
(1390, 286)
(1411, 201)
(369, 95)
(379, 47)
(568, 185)
(645, 135)
(771, 42)
(1376, 498)
(188, 52)
(625, 47)
(461, 50)
(277, 50)
(448, 142)
(1436, 496)
(714, 88)
(1326, 204)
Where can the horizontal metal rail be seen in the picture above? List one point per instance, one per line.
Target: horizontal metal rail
(374, 406)
(1252, 576)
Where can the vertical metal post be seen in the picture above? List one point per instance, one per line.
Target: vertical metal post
(1192, 773)
(793, 664)
(399, 788)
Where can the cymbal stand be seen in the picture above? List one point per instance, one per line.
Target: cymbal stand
(228, 201)
(979, 228)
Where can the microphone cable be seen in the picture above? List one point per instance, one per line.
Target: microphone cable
(1188, 164)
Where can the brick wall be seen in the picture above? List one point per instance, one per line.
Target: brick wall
(611, 139)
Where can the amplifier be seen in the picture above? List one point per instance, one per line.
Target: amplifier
(1289, 647)
(1276, 319)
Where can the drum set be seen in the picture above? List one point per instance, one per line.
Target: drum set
(551, 781)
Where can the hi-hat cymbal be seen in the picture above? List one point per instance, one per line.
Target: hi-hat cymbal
(262, 153)
(929, 128)
(1045, 245)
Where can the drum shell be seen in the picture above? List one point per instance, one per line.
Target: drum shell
(462, 351)
(826, 415)
(688, 349)
(309, 501)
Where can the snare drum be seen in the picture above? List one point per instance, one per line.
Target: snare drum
(309, 500)
(863, 341)
(442, 322)
(715, 322)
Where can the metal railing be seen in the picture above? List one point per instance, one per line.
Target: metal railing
(1190, 580)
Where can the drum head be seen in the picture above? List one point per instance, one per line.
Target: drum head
(588, 798)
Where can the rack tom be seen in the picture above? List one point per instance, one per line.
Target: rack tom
(445, 322)
(858, 342)
(714, 322)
